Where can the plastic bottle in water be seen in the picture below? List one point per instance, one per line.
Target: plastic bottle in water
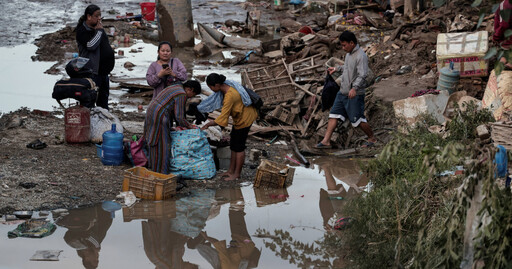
(71, 55)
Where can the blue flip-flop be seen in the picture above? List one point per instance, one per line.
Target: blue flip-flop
(322, 146)
(368, 144)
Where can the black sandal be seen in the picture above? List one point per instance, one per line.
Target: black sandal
(36, 144)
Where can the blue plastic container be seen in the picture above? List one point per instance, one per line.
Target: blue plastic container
(112, 147)
(448, 79)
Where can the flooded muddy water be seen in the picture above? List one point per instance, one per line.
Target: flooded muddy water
(227, 228)
(36, 17)
(23, 81)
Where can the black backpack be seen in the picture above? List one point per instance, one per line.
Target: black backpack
(80, 89)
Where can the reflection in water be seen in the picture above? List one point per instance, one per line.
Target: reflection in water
(269, 196)
(164, 248)
(192, 231)
(165, 239)
(343, 179)
(332, 199)
(241, 251)
(87, 228)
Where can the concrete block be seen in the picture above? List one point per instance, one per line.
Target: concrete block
(483, 132)
(223, 153)
(411, 109)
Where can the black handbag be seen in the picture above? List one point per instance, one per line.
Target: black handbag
(329, 92)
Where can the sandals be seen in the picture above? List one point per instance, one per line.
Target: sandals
(36, 144)
(322, 146)
(368, 144)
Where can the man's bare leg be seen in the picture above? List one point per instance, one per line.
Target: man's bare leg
(368, 131)
(331, 125)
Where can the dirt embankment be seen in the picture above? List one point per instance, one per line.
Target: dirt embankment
(63, 175)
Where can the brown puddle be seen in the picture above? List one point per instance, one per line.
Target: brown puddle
(226, 228)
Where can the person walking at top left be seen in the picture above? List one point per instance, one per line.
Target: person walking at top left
(93, 44)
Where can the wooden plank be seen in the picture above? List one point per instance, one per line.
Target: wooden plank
(272, 129)
(311, 117)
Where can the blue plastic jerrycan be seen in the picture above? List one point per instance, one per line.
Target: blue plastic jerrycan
(112, 147)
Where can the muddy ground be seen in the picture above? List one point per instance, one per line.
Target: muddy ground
(64, 175)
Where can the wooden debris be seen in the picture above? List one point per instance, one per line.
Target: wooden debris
(501, 134)
(282, 114)
(375, 19)
(132, 83)
(308, 69)
(272, 83)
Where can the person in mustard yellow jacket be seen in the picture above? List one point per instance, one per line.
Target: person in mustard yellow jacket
(243, 117)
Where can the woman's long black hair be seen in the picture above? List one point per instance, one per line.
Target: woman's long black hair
(89, 10)
(214, 79)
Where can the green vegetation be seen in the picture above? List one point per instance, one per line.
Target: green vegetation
(415, 216)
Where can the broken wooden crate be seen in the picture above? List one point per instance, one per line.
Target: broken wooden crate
(282, 114)
(269, 196)
(150, 185)
(308, 69)
(273, 175)
(150, 210)
(272, 83)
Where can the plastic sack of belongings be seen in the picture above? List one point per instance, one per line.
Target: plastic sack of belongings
(101, 121)
(191, 155)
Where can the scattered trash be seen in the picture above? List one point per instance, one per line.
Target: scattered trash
(59, 212)
(27, 185)
(23, 214)
(33, 229)
(10, 217)
(343, 223)
(292, 160)
(458, 170)
(423, 92)
(44, 213)
(128, 198)
(111, 207)
(46, 255)
(404, 70)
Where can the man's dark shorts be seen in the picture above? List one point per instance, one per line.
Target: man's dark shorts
(351, 109)
(238, 139)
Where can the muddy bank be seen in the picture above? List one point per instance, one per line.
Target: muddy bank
(63, 175)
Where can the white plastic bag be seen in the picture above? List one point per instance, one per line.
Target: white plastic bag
(101, 121)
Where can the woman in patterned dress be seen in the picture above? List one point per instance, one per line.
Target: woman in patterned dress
(167, 106)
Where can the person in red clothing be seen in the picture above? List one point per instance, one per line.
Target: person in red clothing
(500, 26)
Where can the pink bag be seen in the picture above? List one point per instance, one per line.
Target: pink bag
(138, 152)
